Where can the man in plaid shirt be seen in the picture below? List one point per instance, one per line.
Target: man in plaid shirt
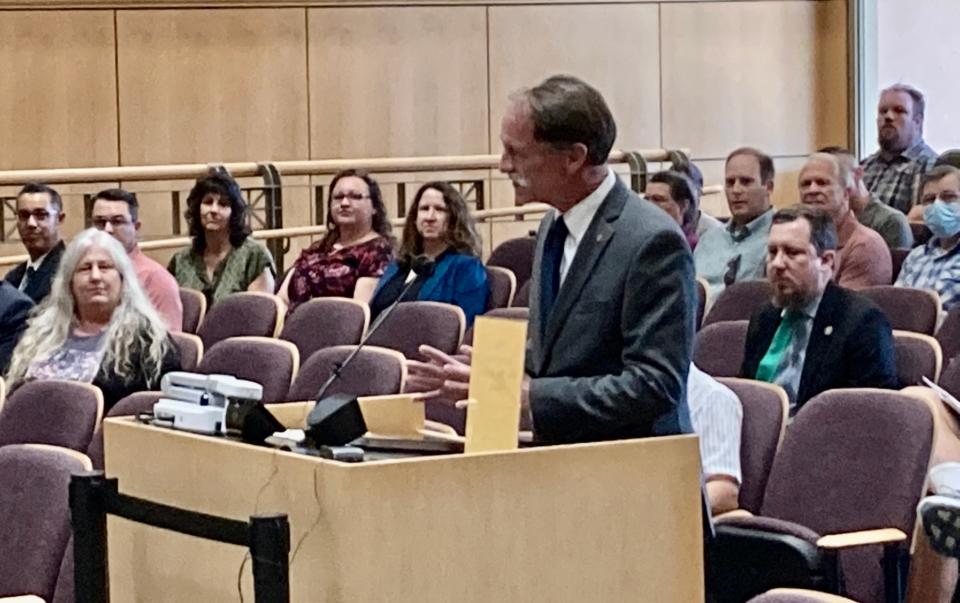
(936, 265)
(892, 173)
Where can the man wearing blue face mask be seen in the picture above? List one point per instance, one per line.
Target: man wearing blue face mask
(936, 265)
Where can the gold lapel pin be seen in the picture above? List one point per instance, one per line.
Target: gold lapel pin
(828, 331)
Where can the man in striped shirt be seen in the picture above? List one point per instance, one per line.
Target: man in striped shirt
(936, 264)
(892, 173)
(717, 416)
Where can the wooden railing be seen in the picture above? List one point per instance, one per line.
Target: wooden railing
(272, 172)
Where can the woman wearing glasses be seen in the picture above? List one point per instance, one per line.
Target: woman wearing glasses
(223, 258)
(358, 244)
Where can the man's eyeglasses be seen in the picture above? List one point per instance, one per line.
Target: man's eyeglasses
(40, 215)
(350, 196)
(116, 221)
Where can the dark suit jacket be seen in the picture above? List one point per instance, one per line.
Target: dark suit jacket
(612, 360)
(851, 345)
(14, 308)
(38, 287)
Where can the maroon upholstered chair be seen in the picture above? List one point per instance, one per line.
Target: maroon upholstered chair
(132, 405)
(896, 258)
(413, 324)
(738, 301)
(907, 309)
(509, 313)
(503, 286)
(54, 412)
(917, 356)
(194, 308)
(517, 256)
(240, 315)
(950, 378)
(273, 363)
(522, 298)
(719, 348)
(374, 371)
(190, 348)
(765, 412)
(701, 301)
(35, 515)
(852, 460)
(949, 334)
(324, 322)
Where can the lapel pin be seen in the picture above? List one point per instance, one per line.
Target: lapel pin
(828, 331)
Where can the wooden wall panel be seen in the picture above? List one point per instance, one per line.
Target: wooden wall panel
(770, 74)
(212, 85)
(613, 47)
(398, 81)
(58, 107)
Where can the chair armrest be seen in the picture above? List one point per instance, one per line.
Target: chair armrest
(862, 538)
(732, 514)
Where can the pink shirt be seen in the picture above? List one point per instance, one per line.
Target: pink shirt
(863, 259)
(161, 288)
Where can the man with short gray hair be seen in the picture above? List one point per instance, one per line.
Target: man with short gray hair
(612, 293)
(863, 259)
(893, 172)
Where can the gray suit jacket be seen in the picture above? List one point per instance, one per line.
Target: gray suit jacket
(612, 360)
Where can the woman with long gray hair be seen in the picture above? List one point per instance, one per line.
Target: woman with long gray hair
(96, 326)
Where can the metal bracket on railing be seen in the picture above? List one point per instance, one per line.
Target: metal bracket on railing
(678, 160)
(273, 194)
(638, 171)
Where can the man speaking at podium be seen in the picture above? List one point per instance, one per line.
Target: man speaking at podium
(612, 292)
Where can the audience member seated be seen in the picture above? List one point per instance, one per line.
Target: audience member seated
(438, 225)
(736, 252)
(814, 335)
(936, 264)
(674, 193)
(889, 223)
(704, 220)
(115, 211)
(39, 216)
(892, 173)
(717, 417)
(358, 244)
(862, 259)
(15, 306)
(98, 326)
(223, 258)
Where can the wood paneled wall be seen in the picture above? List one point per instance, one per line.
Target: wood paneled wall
(129, 86)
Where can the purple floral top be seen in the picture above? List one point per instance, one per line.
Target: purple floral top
(334, 273)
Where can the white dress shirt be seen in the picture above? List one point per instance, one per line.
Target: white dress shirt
(717, 416)
(578, 219)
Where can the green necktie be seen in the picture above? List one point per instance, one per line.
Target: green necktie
(771, 361)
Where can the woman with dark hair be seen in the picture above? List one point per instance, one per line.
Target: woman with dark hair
(358, 244)
(223, 258)
(438, 225)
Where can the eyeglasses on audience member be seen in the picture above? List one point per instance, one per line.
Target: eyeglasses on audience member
(40, 215)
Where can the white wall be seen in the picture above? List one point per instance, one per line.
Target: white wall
(918, 44)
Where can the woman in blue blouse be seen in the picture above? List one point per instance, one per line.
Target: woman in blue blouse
(438, 225)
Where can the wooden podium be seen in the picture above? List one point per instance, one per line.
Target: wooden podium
(605, 522)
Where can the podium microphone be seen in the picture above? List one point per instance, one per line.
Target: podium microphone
(336, 420)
